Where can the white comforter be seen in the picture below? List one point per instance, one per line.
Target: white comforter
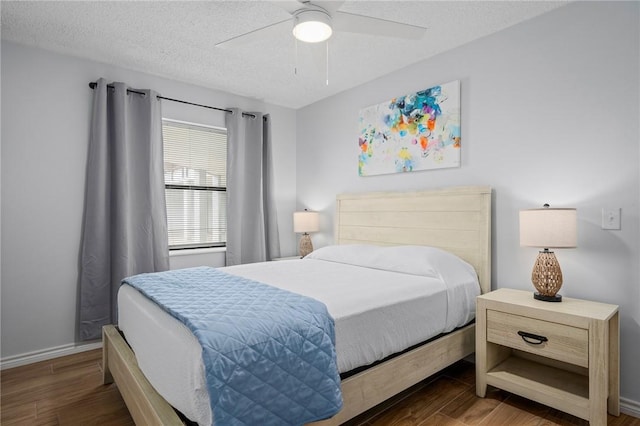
(383, 300)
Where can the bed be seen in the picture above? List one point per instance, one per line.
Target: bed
(457, 220)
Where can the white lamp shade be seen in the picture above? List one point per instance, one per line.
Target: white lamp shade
(548, 228)
(312, 26)
(306, 221)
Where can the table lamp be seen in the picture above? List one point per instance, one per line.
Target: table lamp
(305, 222)
(547, 228)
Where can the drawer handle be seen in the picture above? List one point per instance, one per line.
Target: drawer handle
(533, 339)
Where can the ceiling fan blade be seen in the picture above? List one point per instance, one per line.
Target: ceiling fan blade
(349, 22)
(252, 36)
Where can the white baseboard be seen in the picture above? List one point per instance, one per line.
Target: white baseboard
(46, 354)
(630, 407)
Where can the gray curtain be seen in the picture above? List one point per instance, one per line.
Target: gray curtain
(252, 226)
(125, 218)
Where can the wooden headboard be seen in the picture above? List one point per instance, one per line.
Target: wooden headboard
(455, 219)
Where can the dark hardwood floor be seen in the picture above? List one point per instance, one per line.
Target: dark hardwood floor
(69, 391)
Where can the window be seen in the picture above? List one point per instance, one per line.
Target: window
(195, 176)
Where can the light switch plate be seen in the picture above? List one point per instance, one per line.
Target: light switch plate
(610, 218)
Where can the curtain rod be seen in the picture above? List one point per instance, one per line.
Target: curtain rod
(93, 85)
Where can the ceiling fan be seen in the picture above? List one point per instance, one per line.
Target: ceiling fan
(314, 21)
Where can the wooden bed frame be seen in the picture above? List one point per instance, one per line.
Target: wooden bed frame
(455, 219)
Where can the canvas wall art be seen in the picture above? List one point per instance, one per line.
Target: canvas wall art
(418, 131)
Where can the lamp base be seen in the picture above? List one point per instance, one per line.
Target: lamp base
(555, 298)
(547, 277)
(306, 246)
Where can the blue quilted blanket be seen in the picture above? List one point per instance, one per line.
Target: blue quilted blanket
(269, 354)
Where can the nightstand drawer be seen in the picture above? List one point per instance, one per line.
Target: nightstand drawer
(557, 341)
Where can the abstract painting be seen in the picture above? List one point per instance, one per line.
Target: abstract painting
(418, 131)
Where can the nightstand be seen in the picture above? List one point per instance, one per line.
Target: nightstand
(564, 355)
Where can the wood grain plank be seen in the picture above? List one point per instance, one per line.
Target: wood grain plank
(18, 413)
(48, 386)
(38, 393)
(17, 375)
(418, 219)
(440, 419)
(104, 407)
(457, 411)
(422, 404)
(509, 415)
(471, 410)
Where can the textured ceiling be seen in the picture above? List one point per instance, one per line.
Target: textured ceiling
(176, 40)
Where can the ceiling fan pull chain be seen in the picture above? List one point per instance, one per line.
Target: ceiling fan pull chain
(327, 70)
(295, 65)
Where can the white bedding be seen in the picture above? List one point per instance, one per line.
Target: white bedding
(377, 312)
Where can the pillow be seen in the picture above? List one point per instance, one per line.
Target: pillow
(415, 260)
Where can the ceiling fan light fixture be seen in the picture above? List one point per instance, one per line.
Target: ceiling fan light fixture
(312, 26)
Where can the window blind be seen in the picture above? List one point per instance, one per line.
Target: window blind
(195, 170)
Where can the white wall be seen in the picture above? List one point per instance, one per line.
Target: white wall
(46, 110)
(550, 112)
